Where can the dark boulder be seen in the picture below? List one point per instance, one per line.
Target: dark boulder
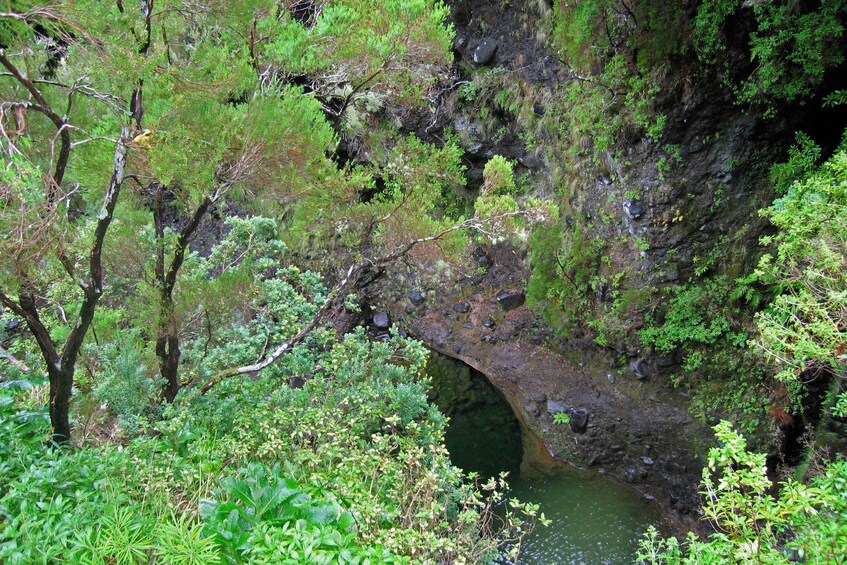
(579, 420)
(481, 257)
(484, 52)
(510, 300)
(461, 307)
(381, 321)
(415, 297)
(633, 208)
(489, 322)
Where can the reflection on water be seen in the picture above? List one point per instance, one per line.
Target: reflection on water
(483, 435)
(594, 520)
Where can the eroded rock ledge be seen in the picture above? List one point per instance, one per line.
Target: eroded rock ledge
(624, 421)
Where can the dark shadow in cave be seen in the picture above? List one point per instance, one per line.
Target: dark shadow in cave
(483, 434)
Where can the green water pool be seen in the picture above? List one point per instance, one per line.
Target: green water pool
(595, 520)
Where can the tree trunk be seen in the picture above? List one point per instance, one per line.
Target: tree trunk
(61, 385)
(168, 352)
(167, 340)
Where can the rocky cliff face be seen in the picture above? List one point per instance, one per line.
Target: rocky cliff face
(656, 209)
(622, 422)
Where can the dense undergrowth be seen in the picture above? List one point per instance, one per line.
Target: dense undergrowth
(171, 391)
(758, 342)
(216, 418)
(726, 325)
(349, 468)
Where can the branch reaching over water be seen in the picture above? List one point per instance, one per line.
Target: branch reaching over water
(481, 225)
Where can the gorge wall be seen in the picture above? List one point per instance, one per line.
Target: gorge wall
(649, 215)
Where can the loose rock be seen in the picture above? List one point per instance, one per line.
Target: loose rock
(579, 420)
(461, 307)
(381, 321)
(510, 300)
(415, 297)
(484, 52)
(554, 407)
(482, 258)
(633, 208)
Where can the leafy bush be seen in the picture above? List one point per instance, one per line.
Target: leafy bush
(791, 48)
(259, 495)
(752, 526)
(804, 326)
(696, 316)
(703, 325)
(612, 106)
(347, 469)
(498, 176)
(565, 264)
(585, 31)
(124, 384)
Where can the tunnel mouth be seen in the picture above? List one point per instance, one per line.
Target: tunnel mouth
(483, 435)
(592, 519)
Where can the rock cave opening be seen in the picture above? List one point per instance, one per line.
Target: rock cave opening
(484, 435)
(593, 519)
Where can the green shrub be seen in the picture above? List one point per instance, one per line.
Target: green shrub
(585, 31)
(565, 264)
(792, 46)
(498, 176)
(803, 326)
(260, 495)
(703, 326)
(350, 467)
(696, 316)
(124, 384)
(752, 525)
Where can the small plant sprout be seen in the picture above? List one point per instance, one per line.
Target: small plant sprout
(561, 418)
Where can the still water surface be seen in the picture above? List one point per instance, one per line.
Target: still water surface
(595, 521)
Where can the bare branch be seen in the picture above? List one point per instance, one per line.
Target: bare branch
(26, 309)
(13, 360)
(477, 224)
(43, 107)
(287, 345)
(30, 14)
